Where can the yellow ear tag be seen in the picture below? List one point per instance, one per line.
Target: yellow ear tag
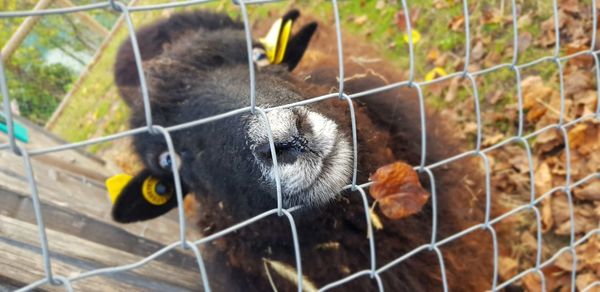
(115, 185)
(156, 193)
(275, 42)
(284, 37)
(271, 40)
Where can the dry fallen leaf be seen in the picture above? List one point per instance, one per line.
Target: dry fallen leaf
(548, 140)
(570, 6)
(489, 141)
(589, 192)
(532, 282)
(400, 20)
(525, 40)
(543, 183)
(457, 23)
(478, 51)
(433, 55)
(360, 20)
(507, 267)
(588, 255)
(577, 81)
(565, 262)
(584, 280)
(577, 136)
(397, 189)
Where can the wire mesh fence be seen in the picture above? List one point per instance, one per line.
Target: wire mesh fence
(562, 126)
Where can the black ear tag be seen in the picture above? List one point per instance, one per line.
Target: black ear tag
(145, 197)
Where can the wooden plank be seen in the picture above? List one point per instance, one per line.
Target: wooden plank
(87, 228)
(98, 255)
(66, 191)
(74, 169)
(40, 137)
(26, 266)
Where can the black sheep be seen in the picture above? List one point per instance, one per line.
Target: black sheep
(196, 67)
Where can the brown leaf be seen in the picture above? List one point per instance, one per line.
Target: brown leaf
(560, 208)
(584, 60)
(543, 183)
(588, 254)
(577, 136)
(556, 279)
(569, 5)
(457, 23)
(453, 91)
(565, 262)
(507, 267)
(548, 140)
(587, 100)
(534, 95)
(591, 145)
(547, 218)
(478, 51)
(489, 141)
(584, 280)
(491, 15)
(589, 192)
(524, 20)
(536, 113)
(433, 55)
(404, 204)
(400, 20)
(387, 179)
(360, 20)
(397, 189)
(520, 162)
(543, 179)
(495, 97)
(532, 282)
(525, 40)
(585, 219)
(577, 81)
(529, 241)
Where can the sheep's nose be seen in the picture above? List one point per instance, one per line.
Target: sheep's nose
(287, 152)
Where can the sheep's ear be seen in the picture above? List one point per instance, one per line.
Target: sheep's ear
(297, 45)
(280, 47)
(142, 197)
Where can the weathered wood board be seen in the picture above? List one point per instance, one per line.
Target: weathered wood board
(81, 234)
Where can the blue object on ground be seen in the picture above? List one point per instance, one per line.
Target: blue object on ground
(20, 131)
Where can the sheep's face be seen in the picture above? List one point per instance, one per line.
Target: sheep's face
(229, 160)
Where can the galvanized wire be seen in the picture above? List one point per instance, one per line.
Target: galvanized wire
(520, 138)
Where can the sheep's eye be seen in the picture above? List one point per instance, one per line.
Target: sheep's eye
(259, 56)
(165, 160)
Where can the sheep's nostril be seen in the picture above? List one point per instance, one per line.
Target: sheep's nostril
(287, 152)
